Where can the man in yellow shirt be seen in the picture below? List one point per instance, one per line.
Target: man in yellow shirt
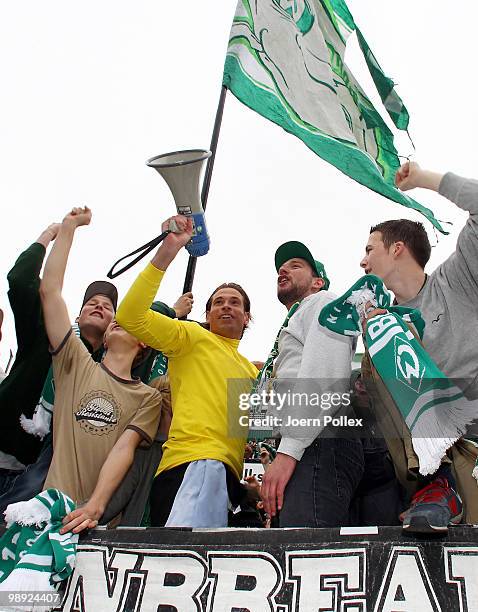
(203, 456)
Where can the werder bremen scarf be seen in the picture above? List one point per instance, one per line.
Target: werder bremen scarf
(33, 554)
(433, 408)
(264, 377)
(40, 424)
(266, 370)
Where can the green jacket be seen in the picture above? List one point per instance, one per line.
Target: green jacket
(20, 390)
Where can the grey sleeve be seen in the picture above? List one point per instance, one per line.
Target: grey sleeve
(325, 369)
(460, 270)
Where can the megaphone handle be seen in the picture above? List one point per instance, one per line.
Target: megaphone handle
(142, 250)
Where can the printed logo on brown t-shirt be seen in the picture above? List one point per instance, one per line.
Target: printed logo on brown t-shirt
(99, 413)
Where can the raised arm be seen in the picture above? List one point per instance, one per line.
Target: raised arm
(112, 473)
(134, 314)
(23, 285)
(460, 270)
(410, 175)
(55, 313)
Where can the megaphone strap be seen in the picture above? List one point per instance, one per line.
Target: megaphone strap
(142, 250)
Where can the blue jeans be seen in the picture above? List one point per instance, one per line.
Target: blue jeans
(323, 484)
(30, 482)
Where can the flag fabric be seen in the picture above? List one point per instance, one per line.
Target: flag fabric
(433, 408)
(285, 60)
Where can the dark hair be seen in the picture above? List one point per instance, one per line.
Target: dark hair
(239, 289)
(411, 233)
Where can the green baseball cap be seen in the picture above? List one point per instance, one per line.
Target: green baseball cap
(294, 249)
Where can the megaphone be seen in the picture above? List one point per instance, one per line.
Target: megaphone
(182, 170)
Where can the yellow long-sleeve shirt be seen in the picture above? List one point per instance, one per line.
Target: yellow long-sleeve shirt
(206, 373)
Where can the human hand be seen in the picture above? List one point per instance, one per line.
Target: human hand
(49, 234)
(77, 217)
(176, 240)
(275, 481)
(410, 175)
(184, 305)
(85, 517)
(406, 176)
(373, 312)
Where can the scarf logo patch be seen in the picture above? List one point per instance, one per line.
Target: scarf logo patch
(407, 365)
(99, 413)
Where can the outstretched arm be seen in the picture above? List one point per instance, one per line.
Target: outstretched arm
(459, 271)
(134, 314)
(112, 473)
(173, 242)
(410, 175)
(55, 313)
(24, 282)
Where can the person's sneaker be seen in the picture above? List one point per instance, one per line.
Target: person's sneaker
(433, 508)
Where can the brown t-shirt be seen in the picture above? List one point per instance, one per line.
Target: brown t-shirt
(93, 407)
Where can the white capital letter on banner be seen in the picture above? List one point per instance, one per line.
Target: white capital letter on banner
(174, 578)
(328, 580)
(461, 568)
(406, 585)
(98, 582)
(243, 580)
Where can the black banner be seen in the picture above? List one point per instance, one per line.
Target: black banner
(285, 570)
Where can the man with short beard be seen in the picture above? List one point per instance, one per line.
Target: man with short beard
(312, 480)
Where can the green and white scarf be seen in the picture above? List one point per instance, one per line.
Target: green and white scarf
(33, 554)
(433, 408)
(40, 424)
(263, 383)
(265, 373)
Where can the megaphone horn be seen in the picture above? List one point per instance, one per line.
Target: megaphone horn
(182, 170)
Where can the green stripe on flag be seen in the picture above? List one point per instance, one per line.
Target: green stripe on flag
(349, 159)
(285, 60)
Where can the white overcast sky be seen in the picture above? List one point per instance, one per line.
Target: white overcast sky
(90, 90)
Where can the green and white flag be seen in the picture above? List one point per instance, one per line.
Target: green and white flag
(285, 60)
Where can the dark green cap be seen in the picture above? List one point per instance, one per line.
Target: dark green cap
(294, 249)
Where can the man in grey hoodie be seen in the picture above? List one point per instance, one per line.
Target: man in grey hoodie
(397, 251)
(317, 467)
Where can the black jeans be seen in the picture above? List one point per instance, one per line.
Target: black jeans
(323, 484)
(7, 477)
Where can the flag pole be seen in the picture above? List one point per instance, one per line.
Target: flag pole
(191, 269)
